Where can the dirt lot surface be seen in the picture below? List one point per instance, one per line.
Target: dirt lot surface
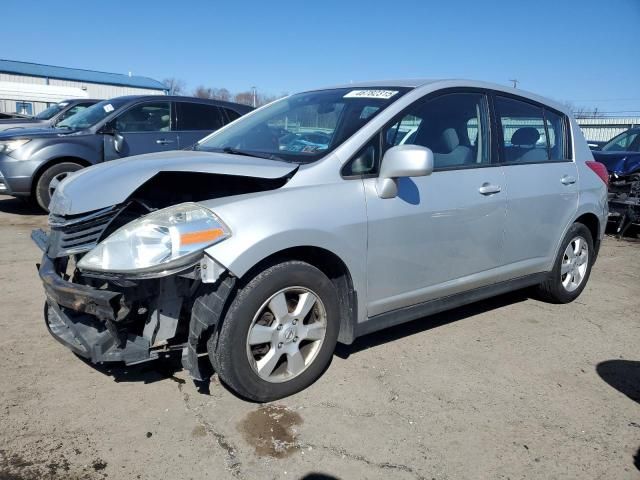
(507, 388)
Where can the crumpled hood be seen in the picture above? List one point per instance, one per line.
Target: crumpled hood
(113, 182)
(621, 163)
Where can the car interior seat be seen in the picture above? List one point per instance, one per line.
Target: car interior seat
(448, 150)
(523, 146)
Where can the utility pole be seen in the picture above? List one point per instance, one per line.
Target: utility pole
(254, 90)
(515, 82)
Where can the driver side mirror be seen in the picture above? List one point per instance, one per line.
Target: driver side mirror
(402, 161)
(118, 139)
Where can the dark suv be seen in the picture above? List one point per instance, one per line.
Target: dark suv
(34, 162)
(50, 116)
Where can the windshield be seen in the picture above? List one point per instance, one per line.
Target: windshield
(91, 115)
(51, 111)
(625, 142)
(304, 127)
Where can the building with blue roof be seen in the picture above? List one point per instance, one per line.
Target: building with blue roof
(31, 87)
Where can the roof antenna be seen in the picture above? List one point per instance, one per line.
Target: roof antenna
(515, 82)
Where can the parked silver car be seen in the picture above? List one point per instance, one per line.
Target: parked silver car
(319, 218)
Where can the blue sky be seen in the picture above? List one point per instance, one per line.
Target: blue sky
(583, 51)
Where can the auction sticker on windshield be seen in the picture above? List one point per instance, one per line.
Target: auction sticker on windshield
(108, 108)
(383, 94)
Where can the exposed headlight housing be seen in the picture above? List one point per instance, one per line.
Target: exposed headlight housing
(8, 146)
(162, 241)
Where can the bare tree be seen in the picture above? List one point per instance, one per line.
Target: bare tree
(583, 112)
(245, 98)
(203, 92)
(175, 86)
(222, 94)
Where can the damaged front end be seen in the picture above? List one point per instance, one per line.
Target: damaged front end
(124, 260)
(122, 317)
(624, 201)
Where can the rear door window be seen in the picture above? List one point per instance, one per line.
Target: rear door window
(198, 116)
(531, 133)
(231, 114)
(524, 137)
(557, 135)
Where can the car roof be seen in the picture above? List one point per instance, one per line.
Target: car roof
(436, 83)
(219, 103)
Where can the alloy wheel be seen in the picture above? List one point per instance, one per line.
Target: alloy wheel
(575, 262)
(286, 334)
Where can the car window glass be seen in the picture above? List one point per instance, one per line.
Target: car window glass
(73, 110)
(453, 126)
(305, 127)
(557, 137)
(365, 162)
(523, 131)
(623, 142)
(198, 116)
(146, 117)
(51, 111)
(231, 114)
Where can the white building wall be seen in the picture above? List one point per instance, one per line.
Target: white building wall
(7, 77)
(94, 90)
(604, 129)
(99, 90)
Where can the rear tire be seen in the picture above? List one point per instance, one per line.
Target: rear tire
(278, 334)
(572, 267)
(49, 180)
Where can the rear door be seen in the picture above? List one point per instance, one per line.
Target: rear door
(145, 128)
(195, 121)
(541, 179)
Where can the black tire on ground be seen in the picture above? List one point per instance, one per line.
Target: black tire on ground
(552, 289)
(228, 348)
(42, 194)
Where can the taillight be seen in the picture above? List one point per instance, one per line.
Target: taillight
(599, 170)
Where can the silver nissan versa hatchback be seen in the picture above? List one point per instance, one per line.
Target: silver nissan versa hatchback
(316, 219)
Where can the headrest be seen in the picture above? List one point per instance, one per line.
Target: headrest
(450, 139)
(525, 136)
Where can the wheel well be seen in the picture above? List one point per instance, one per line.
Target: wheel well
(41, 169)
(334, 268)
(591, 221)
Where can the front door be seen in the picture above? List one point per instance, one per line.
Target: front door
(541, 180)
(143, 128)
(443, 233)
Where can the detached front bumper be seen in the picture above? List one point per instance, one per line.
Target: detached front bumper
(84, 319)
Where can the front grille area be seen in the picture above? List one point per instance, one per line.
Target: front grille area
(79, 233)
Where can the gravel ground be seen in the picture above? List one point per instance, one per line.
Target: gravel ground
(506, 388)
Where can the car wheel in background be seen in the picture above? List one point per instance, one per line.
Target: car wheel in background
(572, 267)
(49, 181)
(279, 332)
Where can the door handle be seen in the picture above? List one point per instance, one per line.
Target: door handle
(164, 141)
(568, 180)
(488, 189)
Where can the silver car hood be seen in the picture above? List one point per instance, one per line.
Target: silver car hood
(113, 182)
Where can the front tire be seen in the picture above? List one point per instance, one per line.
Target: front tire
(572, 267)
(279, 332)
(49, 181)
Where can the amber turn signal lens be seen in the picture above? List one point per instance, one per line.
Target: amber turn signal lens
(203, 236)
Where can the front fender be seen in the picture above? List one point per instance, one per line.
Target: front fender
(331, 217)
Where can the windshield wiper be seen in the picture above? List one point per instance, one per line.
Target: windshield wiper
(63, 126)
(247, 153)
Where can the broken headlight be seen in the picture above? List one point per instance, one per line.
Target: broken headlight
(161, 241)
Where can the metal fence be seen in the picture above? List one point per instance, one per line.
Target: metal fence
(603, 129)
